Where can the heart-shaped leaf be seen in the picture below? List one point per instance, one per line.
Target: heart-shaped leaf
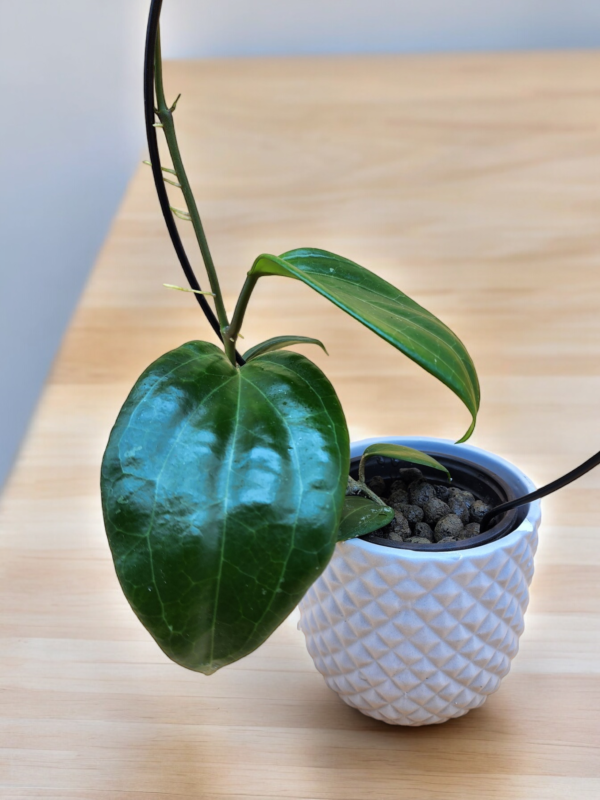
(400, 453)
(279, 343)
(222, 490)
(386, 311)
(361, 516)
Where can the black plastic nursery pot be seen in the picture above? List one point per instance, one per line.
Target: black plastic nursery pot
(466, 475)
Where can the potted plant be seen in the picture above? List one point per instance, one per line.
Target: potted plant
(229, 496)
(417, 633)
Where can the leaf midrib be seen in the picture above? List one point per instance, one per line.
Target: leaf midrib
(225, 503)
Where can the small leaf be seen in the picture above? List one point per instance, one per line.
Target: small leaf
(401, 453)
(361, 516)
(279, 343)
(387, 311)
(185, 289)
(164, 169)
(181, 214)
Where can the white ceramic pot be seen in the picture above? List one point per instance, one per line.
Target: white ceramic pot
(414, 638)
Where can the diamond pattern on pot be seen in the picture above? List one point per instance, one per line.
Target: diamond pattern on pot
(415, 638)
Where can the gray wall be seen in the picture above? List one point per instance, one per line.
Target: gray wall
(194, 28)
(70, 83)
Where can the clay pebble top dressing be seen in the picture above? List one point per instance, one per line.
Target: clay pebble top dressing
(427, 512)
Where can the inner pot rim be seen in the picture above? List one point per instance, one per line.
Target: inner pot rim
(511, 482)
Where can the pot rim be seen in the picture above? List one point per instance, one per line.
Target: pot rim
(497, 465)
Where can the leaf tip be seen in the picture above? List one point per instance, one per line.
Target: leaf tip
(469, 433)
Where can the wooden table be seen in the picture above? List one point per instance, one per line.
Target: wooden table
(472, 183)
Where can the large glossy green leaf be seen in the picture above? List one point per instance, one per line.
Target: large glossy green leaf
(222, 490)
(402, 453)
(280, 343)
(361, 516)
(385, 310)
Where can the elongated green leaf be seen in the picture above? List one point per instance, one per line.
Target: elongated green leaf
(361, 516)
(386, 311)
(222, 490)
(402, 453)
(279, 343)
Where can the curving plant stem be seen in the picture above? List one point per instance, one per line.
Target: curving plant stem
(354, 487)
(219, 325)
(165, 114)
(544, 491)
(240, 308)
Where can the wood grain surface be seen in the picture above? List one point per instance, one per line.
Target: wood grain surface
(473, 184)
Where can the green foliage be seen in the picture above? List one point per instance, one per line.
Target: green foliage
(361, 516)
(387, 311)
(223, 487)
(222, 491)
(279, 343)
(400, 453)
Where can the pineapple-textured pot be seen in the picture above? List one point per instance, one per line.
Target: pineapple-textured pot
(415, 637)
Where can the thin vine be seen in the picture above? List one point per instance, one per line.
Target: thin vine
(154, 93)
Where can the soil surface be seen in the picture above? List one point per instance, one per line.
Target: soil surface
(427, 512)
